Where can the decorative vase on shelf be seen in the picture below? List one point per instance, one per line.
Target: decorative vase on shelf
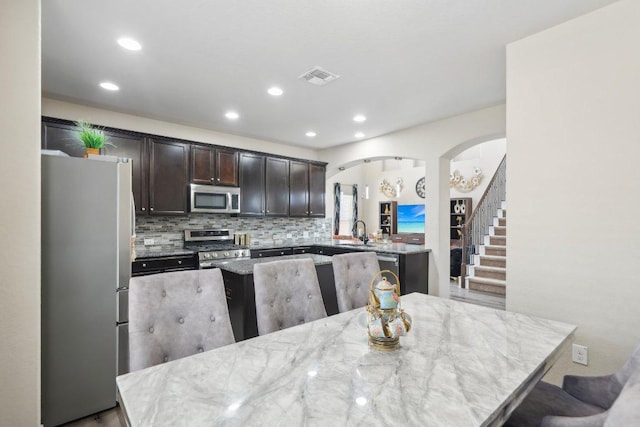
(463, 208)
(456, 207)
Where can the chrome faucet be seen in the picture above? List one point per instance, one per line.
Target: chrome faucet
(364, 236)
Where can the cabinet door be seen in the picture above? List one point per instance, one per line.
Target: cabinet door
(316, 190)
(251, 176)
(298, 189)
(63, 137)
(277, 187)
(226, 168)
(168, 177)
(133, 147)
(202, 166)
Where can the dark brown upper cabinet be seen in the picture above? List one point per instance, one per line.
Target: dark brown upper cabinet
(299, 189)
(214, 166)
(307, 192)
(168, 177)
(277, 187)
(133, 147)
(226, 162)
(252, 178)
(63, 137)
(317, 178)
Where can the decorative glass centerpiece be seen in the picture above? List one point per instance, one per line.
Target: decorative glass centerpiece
(386, 320)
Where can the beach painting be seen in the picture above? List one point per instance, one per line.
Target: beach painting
(411, 218)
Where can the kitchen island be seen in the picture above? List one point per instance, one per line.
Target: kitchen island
(460, 365)
(238, 284)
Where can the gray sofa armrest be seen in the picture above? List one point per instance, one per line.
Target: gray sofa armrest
(590, 421)
(600, 391)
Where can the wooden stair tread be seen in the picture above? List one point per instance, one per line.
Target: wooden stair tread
(486, 281)
(490, 268)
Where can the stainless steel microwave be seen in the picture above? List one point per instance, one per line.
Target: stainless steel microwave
(212, 199)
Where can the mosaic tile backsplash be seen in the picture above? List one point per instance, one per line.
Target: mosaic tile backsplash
(167, 232)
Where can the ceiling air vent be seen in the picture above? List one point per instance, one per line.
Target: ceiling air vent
(318, 76)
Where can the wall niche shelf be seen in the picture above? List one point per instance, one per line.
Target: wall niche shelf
(388, 215)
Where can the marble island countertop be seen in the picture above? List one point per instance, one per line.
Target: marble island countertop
(460, 365)
(245, 266)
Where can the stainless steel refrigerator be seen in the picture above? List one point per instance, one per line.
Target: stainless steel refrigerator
(87, 225)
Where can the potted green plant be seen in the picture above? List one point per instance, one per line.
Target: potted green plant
(92, 137)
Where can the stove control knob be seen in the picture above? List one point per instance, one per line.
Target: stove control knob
(207, 256)
(235, 254)
(215, 254)
(226, 254)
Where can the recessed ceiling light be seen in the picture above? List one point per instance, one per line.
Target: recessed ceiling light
(231, 115)
(311, 134)
(129, 44)
(109, 86)
(359, 118)
(275, 91)
(359, 135)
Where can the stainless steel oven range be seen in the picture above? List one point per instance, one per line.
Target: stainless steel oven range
(213, 245)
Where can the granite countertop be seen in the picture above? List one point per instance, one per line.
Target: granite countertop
(161, 253)
(396, 248)
(245, 266)
(460, 365)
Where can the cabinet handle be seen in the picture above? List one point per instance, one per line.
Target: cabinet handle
(267, 210)
(281, 253)
(211, 179)
(151, 209)
(310, 212)
(144, 209)
(179, 262)
(218, 179)
(144, 265)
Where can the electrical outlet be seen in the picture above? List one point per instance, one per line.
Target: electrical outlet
(580, 354)
(149, 242)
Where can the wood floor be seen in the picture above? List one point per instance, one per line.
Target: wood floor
(114, 417)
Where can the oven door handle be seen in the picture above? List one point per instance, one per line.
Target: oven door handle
(388, 259)
(229, 202)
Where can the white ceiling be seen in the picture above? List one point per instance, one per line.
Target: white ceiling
(401, 62)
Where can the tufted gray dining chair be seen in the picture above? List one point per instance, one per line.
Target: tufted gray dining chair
(287, 293)
(582, 401)
(173, 315)
(352, 274)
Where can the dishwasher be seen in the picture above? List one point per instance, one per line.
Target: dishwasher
(389, 262)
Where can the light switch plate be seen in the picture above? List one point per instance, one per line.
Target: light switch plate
(580, 354)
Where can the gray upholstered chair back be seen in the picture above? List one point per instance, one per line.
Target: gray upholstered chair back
(287, 294)
(173, 315)
(352, 274)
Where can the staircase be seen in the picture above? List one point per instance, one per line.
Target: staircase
(488, 273)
